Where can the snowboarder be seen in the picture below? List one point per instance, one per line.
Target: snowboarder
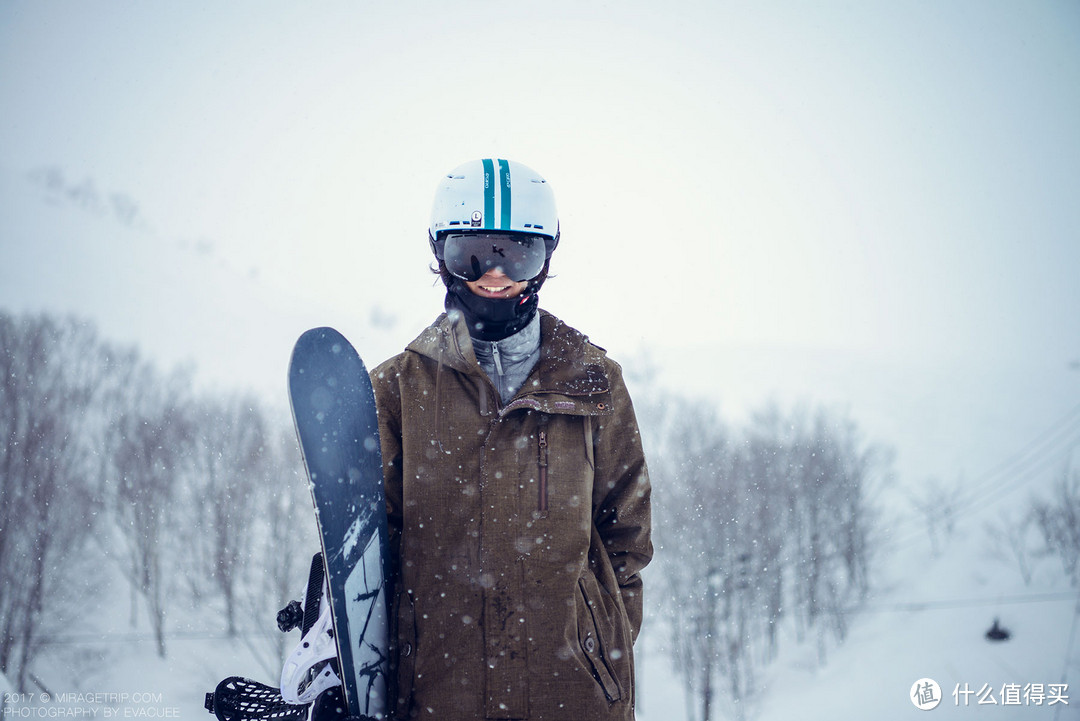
(517, 490)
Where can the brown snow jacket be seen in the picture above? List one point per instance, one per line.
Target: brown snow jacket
(520, 530)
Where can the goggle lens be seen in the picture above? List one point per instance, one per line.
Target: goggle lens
(470, 255)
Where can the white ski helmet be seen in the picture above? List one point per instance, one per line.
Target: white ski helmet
(494, 195)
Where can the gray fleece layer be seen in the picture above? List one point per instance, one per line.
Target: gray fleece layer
(508, 362)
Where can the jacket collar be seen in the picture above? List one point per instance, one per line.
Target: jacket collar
(569, 364)
(515, 348)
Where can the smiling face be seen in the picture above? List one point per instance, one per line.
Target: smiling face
(495, 284)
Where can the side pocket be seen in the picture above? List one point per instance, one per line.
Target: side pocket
(404, 653)
(593, 645)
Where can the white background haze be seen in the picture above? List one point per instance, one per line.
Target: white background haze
(872, 205)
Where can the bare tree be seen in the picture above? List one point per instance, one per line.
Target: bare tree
(1011, 541)
(938, 505)
(763, 527)
(229, 464)
(830, 473)
(765, 467)
(102, 456)
(150, 445)
(697, 519)
(49, 371)
(1058, 519)
(283, 543)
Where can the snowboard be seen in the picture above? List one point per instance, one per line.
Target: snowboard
(333, 408)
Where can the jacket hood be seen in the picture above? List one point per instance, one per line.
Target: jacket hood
(581, 379)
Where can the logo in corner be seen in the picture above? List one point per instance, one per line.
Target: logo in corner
(925, 694)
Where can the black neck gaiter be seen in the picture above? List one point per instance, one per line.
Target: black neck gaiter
(492, 319)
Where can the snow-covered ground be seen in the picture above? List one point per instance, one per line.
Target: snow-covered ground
(894, 642)
(932, 624)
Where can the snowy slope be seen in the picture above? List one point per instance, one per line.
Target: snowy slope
(932, 625)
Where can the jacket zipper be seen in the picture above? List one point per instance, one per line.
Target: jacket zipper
(497, 381)
(542, 490)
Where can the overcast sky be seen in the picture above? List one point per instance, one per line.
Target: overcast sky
(890, 179)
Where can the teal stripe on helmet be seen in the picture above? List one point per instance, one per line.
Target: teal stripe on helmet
(489, 193)
(504, 198)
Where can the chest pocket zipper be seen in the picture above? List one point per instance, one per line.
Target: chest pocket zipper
(542, 461)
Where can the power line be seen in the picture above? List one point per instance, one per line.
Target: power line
(945, 604)
(1053, 445)
(1065, 428)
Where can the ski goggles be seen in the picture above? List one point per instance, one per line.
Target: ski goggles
(470, 255)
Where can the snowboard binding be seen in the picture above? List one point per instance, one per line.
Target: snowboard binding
(310, 683)
(241, 699)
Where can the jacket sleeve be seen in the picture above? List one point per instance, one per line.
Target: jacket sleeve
(622, 497)
(384, 380)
